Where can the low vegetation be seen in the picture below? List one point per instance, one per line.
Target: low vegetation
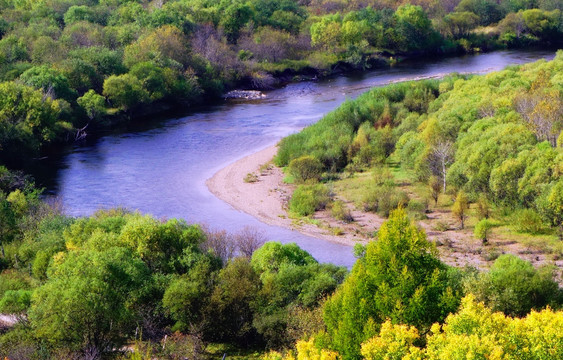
(486, 150)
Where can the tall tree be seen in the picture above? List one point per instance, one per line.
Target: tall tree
(399, 278)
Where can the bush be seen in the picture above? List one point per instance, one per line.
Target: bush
(384, 199)
(417, 209)
(307, 199)
(482, 230)
(460, 207)
(250, 178)
(483, 208)
(340, 212)
(305, 168)
(514, 286)
(528, 221)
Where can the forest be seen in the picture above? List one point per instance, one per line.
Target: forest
(123, 285)
(493, 141)
(82, 65)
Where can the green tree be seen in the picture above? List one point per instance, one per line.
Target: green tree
(153, 79)
(232, 302)
(550, 205)
(52, 82)
(234, 18)
(482, 230)
(460, 207)
(327, 32)
(305, 168)
(87, 303)
(514, 286)
(435, 188)
(188, 295)
(27, 120)
(414, 29)
(399, 278)
(459, 24)
(125, 91)
(488, 11)
(290, 278)
(93, 104)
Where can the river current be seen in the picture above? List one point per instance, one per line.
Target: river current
(160, 168)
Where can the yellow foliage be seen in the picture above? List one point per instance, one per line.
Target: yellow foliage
(273, 355)
(393, 342)
(475, 332)
(18, 202)
(306, 350)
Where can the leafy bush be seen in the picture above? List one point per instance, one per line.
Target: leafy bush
(384, 199)
(528, 221)
(483, 208)
(482, 230)
(515, 287)
(340, 212)
(305, 168)
(307, 199)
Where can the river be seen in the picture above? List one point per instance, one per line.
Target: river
(161, 168)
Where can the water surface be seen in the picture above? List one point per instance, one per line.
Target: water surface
(162, 169)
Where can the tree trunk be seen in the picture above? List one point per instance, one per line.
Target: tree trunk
(444, 175)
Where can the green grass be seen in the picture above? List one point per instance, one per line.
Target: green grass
(353, 188)
(545, 243)
(293, 65)
(216, 351)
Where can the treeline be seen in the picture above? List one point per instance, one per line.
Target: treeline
(69, 67)
(489, 140)
(123, 285)
(86, 287)
(401, 302)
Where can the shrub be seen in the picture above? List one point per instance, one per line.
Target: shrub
(307, 199)
(340, 212)
(417, 209)
(459, 209)
(250, 178)
(514, 286)
(384, 199)
(528, 221)
(482, 230)
(305, 168)
(435, 188)
(483, 208)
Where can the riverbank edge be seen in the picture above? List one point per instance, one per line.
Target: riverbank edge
(173, 108)
(264, 199)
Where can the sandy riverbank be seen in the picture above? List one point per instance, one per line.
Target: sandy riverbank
(266, 198)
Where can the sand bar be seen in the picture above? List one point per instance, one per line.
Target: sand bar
(266, 198)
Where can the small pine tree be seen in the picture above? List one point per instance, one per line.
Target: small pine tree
(482, 230)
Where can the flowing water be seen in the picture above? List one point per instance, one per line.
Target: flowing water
(161, 168)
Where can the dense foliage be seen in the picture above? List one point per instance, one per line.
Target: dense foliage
(399, 278)
(86, 287)
(495, 137)
(79, 65)
(474, 332)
